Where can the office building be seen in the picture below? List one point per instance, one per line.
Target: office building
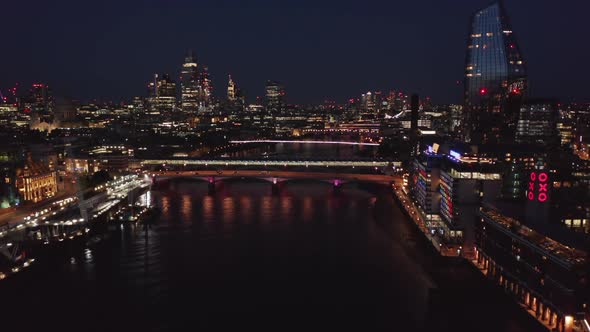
(537, 123)
(189, 80)
(231, 90)
(495, 78)
(205, 87)
(275, 97)
(162, 94)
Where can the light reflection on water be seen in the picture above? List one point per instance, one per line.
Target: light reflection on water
(244, 257)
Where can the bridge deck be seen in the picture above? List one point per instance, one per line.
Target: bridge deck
(380, 178)
(304, 163)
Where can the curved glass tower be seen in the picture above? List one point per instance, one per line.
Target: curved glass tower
(495, 78)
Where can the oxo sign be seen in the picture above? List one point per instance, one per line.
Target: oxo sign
(538, 187)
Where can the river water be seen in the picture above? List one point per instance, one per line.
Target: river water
(243, 258)
(287, 151)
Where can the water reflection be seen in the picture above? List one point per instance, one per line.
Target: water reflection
(187, 207)
(241, 258)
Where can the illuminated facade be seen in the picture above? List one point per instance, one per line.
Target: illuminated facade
(545, 276)
(162, 94)
(114, 158)
(205, 87)
(426, 180)
(495, 78)
(231, 90)
(36, 181)
(189, 80)
(465, 182)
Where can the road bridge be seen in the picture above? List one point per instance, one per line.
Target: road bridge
(274, 177)
(268, 163)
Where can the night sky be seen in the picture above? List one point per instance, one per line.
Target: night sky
(318, 49)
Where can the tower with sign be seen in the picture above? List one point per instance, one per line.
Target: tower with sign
(538, 194)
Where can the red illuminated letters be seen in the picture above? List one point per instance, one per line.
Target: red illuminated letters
(542, 187)
(539, 182)
(543, 177)
(542, 197)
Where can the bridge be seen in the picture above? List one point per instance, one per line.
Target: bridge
(273, 177)
(269, 163)
(306, 142)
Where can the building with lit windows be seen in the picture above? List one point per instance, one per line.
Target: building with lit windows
(205, 87)
(466, 181)
(162, 94)
(274, 97)
(545, 276)
(425, 180)
(231, 90)
(537, 123)
(36, 181)
(189, 84)
(40, 98)
(112, 158)
(495, 78)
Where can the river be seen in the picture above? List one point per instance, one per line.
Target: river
(243, 258)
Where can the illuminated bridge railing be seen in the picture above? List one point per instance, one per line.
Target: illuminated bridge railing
(306, 142)
(241, 163)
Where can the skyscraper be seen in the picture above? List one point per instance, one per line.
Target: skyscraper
(162, 94)
(495, 78)
(415, 107)
(40, 98)
(231, 90)
(189, 80)
(275, 94)
(205, 87)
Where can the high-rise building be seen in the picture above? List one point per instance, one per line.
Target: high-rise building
(495, 78)
(537, 123)
(415, 107)
(40, 98)
(162, 94)
(205, 87)
(275, 95)
(231, 90)
(189, 80)
(368, 102)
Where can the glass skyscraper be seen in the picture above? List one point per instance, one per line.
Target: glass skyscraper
(495, 78)
(189, 80)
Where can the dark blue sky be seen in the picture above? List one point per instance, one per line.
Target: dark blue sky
(319, 49)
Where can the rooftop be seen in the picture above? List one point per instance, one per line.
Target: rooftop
(558, 250)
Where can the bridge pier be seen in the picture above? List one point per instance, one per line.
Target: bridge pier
(275, 186)
(211, 185)
(336, 186)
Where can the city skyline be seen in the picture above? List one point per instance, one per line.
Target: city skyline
(344, 59)
(378, 166)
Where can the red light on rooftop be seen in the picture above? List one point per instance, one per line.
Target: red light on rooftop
(483, 91)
